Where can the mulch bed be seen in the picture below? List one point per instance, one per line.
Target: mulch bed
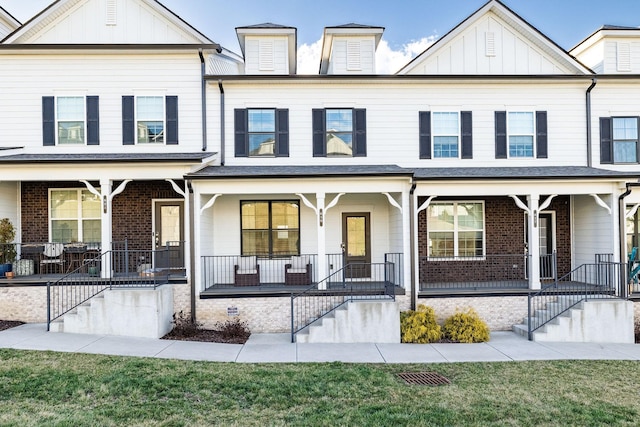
(205, 335)
(7, 324)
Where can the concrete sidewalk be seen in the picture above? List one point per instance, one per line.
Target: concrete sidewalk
(277, 348)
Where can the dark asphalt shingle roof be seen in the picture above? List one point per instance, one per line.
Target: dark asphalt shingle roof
(298, 171)
(544, 172)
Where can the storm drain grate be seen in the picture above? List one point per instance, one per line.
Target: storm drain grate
(424, 378)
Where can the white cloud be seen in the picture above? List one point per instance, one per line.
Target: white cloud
(388, 61)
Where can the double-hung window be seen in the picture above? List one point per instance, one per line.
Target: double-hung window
(339, 132)
(521, 134)
(74, 216)
(456, 229)
(619, 140)
(446, 134)
(70, 120)
(261, 132)
(149, 119)
(270, 228)
(521, 130)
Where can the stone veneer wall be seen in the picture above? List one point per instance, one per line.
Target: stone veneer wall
(263, 315)
(29, 303)
(500, 313)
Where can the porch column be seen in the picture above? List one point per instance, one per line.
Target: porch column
(322, 250)
(107, 226)
(534, 241)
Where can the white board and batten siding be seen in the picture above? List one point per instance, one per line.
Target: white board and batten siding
(9, 202)
(392, 112)
(110, 21)
(592, 229)
(488, 47)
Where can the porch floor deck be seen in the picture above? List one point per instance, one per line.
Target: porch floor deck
(280, 289)
(43, 279)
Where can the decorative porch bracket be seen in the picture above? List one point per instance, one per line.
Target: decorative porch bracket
(209, 203)
(602, 203)
(426, 204)
(632, 211)
(393, 202)
(177, 189)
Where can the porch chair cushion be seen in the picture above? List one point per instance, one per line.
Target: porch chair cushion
(247, 265)
(299, 264)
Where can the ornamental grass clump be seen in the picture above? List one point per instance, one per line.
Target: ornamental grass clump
(419, 326)
(466, 327)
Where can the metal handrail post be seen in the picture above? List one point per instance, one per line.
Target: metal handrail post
(292, 320)
(48, 305)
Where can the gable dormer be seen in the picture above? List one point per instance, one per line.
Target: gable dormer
(8, 23)
(350, 49)
(268, 48)
(611, 50)
(494, 41)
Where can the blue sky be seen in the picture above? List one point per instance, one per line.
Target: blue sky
(564, 21)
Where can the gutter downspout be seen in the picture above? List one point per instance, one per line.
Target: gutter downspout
(192, 249)
(594, 81)
(412, 256)
(222, 142)
(204, 100)
(621, 227)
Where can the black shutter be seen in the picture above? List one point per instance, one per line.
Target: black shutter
(606, 142)
(541, 134)
(171, 120)
(466, 129)
(425, 134)
(48, 121)
(359, 132)
(93, 120)
(282, 133)
(501, 134)
(319, 133)
(128, 119)
(240, 123)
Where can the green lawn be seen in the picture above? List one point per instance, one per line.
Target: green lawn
(57, 389)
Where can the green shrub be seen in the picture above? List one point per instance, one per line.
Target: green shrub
(419, 326)
(466, 327)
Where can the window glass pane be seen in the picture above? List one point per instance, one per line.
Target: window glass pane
(150, 132)
(70, 132)
(71, 108)
(445, 146)
(445, 123)
(262, 121)
(624, 152)
(470, 243)
(625, 128)
(285, 242)
(262, 144)
(521, 146)
(255, 242)
(470, 216)
(255, 215)
(521, 123)
(441, 244)
(64, 204)
(91, 231)
(440, 217)
(150, 108)
(64, 231)
(91, 205)
(339, 120)
(284, 214)
(356, 236)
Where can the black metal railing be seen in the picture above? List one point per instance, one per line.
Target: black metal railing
(128, 270)
(224, 271)
(346, 284)
(491, 271)
(589, 281)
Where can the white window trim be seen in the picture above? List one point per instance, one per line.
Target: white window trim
(509, 135)
(457, 135)
(457, 257)
(84, 116)
(137, 95)
(79, 218)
